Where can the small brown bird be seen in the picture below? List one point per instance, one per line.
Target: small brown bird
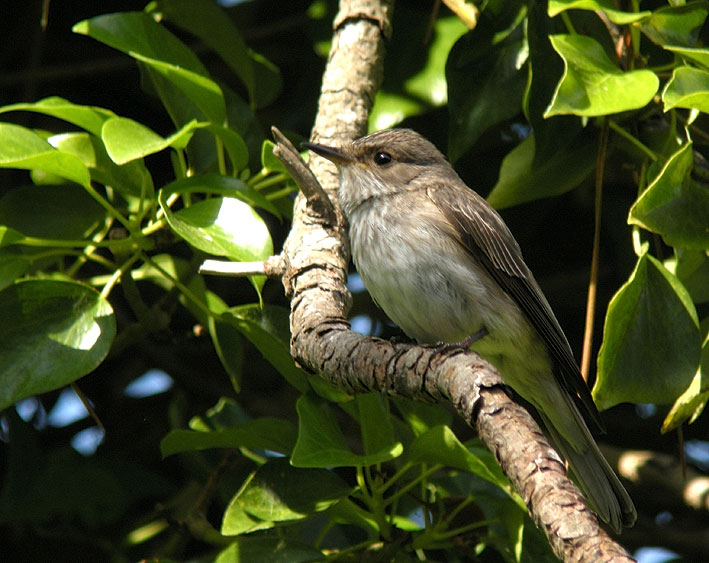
(443, 266)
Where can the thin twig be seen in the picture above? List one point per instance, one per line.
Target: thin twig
(273, 267)
(593, 278)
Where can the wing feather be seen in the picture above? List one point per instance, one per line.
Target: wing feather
(483, 233)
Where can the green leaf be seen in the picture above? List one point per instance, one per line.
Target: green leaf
(675, 205)
(523, 179)
(391, 109)
(233, 143)
(90, 118)
(278, 492)
(207, 21)
(138, 35)
(51, 333)
(227, 344)
(415, 90)
(592, 85)
(692, 269)
(268, 80)
(8, 235)
(421, 417)
(24, 149)
(55, 212)
(606, 6)
(127, 140)
(13, 263)
(180, 269)
(322, 444)
(237, 521)
(259, 434)
(267, 329)
(203, 91)
(690, 404)
(676, 25)
(131, 179)
(554, 134)
(375, 423)
(486, 82)
(222, 226)
(697, 55)
(651, 342)
(221, 185)
(267, 549)
(688, 88)
(224, 415)
(440, 445)
(429, 85)
(270, 161)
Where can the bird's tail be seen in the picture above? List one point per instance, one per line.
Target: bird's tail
(593, 473)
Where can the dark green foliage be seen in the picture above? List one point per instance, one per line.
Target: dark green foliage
(106, 214)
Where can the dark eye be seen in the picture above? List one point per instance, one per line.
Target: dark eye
(382, 158)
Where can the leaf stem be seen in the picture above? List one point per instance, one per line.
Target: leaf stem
(410, 485)
(593, 278)
(113, 280)
(112, 211)
(221, 163)
(567, 22)
(270, 181)
(628, 137)
(186, 291)
(59, 243)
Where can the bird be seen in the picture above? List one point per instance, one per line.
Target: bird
(444, 266)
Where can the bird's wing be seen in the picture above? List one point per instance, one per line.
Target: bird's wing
(483, 233)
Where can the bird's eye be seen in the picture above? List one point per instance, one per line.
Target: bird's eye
(382, 158)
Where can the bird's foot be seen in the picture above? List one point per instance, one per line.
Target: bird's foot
(465, 344)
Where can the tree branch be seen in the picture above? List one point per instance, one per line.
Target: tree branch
(316, 257)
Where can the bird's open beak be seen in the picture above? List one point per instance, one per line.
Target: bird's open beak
(333, 154)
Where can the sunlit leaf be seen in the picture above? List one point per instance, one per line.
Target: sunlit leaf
(375, 422)
(424, 88)
(592, 85)
(222, 226)
(24, 149)
(675, 205)
(127, 140)
(206, 20)
(698, 55)
(221, 185)
(90, 118)
(677, 25)
(391, 109)
(138, 35)
(690, 404)
(131, 179)
(688, 88)
(51, 333)
(692, 269)
(606, 6)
